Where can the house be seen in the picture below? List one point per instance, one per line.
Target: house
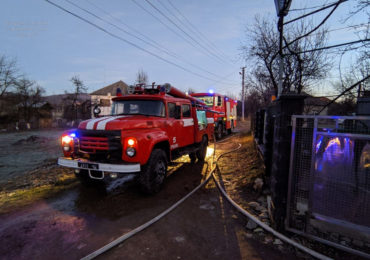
(313, 105)
(103, 97)
(68, 109)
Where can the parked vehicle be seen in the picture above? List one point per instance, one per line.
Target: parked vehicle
(225, 108)
(146, 129)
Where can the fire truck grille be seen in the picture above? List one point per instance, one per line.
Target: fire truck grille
(94, 143)
(101, 145)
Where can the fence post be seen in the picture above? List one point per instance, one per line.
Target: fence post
(286, 106)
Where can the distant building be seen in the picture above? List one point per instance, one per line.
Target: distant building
(363, 103)
(63, 113)
(313, 105)
(103, 97)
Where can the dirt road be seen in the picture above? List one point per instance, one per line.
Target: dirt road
(80, 220)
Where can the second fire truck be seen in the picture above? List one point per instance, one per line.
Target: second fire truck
(225, 109)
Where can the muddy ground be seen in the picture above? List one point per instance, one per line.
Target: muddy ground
(49, 215)
(23, 151)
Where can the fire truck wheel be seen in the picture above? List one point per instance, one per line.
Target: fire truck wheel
(219, 131)
(193, 157)
(154, 172)
(231, 130)
(201, 153)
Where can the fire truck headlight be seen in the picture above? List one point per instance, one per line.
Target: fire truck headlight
(130, 152)
(66, 139)
(66, 148)
(131, 142)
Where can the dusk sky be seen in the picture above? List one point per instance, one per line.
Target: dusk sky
(51, 46)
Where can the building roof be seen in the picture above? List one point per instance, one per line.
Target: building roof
(317, 101)
(112, 89)
(59, 100)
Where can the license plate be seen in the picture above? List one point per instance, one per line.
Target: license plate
(92, 166)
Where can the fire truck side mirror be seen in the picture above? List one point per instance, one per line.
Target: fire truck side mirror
(97, 111)
(177, 112)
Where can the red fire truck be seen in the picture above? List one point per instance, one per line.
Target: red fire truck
(146, 129)
(225, 111)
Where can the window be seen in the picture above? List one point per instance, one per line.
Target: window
(219, 101)
(171, 110)
(138, 107)
(207, 99)
(185, 110)
(202, 119)
(105, 102)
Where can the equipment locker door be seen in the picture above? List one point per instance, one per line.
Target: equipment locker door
(228, 125)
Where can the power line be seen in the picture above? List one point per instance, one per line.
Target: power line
(316, 11)
(126, 41)
(308, 8)
(348, 27)
(145, 41)
(172, 30)
(183, 31)
(194, 29)
(320, 24)
(125, 24)
(345, 91)
(333, 46)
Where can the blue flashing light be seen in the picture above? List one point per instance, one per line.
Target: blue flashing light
(226, 99)
(72, 135)
(211, 91)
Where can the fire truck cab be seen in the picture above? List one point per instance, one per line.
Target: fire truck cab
(225, 111)
(146, 129)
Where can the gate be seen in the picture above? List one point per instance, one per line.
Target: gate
(329, 181)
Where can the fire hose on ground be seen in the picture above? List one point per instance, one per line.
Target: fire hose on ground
(135, 231)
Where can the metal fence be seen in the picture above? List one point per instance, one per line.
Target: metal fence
(329, 181)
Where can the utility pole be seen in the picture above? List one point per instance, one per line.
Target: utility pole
(282, 9)
(281, 57)
(243, 96)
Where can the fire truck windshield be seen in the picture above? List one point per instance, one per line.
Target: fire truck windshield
(208, 100)
(138, 107)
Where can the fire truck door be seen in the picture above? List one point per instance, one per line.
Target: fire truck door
(188, 125)
(175, 127)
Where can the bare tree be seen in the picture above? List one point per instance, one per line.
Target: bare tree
(141, 77)
(361, 67)
(8, 74)
(79, 88)
(300, 69)
(29, 96)
(74, 98)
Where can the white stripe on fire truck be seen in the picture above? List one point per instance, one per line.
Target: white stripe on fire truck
(188, 122)
(210, 120)
(91, 123)
(102, 124)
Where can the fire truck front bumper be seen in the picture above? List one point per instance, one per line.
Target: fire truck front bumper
(98, 167)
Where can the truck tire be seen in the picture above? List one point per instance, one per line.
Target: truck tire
(193, 157)
(219, 131)
(231, 130)
(202, 152)
(154, 172)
